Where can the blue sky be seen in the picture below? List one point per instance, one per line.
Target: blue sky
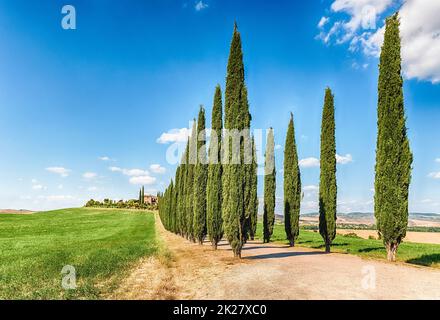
(82, 111)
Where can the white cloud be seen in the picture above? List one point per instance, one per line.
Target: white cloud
(278, 147)
(309, 162)
(38, 187)
(134, 172)
(63, 172)
(157, 168)
(344, 159)
(437, 160)
(174, 135)
(434, 175)
(142, 180)
(92, 188)
(89, 175)
(105, 158)
(60, 186)
(323, 21)
(57, 198)
(34, 181)
(115, 169)
(419, 30)
(200, 6)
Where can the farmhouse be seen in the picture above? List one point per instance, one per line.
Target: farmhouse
(149, 199)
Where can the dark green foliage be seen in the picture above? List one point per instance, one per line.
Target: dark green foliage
(393, 154)
(192, 159)
(214, 185)
(200, 181)
(327, 180)
(235, 180)
(253, 201)
(269, 187)
(292, 186)
(142, 195)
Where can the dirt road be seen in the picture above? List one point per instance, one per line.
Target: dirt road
(273, 271)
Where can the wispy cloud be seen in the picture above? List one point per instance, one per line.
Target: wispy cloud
(200, 5)
(434, 175)
(89, 175)
(323, 21)
(105, 158)
(157, 168)
(63, 172)
(419, 30)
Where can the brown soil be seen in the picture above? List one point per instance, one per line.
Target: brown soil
(271, 271)
(419, 237)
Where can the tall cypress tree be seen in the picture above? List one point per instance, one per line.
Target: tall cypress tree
(143, 196)
(292, 186)
(237, 117)
(140, 196)
(253, 202)
(192, 160)
(214, 188)
(327, 181)
(393, 154)
(269, 188)
(200, 181)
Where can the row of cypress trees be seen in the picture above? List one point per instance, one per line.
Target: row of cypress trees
(221, 199)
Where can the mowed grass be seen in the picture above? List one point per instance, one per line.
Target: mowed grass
(414, 253)
(101, 244)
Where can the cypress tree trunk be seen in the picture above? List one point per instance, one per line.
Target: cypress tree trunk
(253, 203)
(327, 181)
(269, 188)
(234, 178)
(192, 159)
(200, 180)
(214, 188)
(393, 154)
(292, 186)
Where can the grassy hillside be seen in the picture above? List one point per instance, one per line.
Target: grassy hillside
(100, 243)
(414, 253)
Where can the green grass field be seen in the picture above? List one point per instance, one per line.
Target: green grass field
(414, 253)
(100, 243)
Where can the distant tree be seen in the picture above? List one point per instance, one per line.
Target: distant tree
(140, 196)
(143, 196)
(327, 181)
(292, 186)
(253, 201)
(214, 184)
(393, 154)
(269, 188)
(200, 180)
(192, 159)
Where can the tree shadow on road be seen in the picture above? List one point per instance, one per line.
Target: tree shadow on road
(266, 247)
(277, 255)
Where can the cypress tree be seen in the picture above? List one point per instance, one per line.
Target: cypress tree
(200, 181)
(214, 188)
(192, 159)
(143, 196)
(327, 181)
(393, 154)
(253, 202)
(140, 196)
(177, 196)
(183, 194)
(269, 188)
(292, 186)
(237, 117)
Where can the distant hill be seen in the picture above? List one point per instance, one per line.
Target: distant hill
(13, 211)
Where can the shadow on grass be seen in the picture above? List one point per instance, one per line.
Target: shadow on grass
(282, 255)
(371, 249)
(426, 259)
(321, 246)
